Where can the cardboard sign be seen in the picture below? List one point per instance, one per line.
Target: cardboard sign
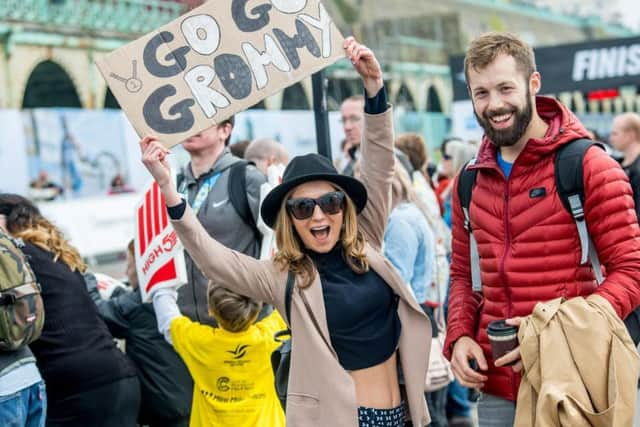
(217, 60)
(159, 253)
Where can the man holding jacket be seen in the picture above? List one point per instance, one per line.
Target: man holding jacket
(528, 244)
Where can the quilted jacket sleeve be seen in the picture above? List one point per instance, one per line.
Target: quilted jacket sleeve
(463, 303)
(613, 227)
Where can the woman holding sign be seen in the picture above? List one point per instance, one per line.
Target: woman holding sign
(353, 319)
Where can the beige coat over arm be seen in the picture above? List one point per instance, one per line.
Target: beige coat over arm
(580, 366)
(321, 393)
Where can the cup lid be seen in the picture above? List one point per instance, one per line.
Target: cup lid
(500, 328)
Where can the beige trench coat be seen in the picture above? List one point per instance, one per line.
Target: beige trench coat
(580, 366)
(321, 393)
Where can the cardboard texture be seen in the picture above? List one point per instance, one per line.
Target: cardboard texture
(217, 60)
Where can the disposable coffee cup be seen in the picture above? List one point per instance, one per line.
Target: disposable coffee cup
(503, 338)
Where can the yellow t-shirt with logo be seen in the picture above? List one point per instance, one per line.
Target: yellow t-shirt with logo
(233, 379)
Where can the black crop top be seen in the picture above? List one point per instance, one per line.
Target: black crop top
(362, 312)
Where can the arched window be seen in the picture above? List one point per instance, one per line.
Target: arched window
(110, 101)
(49, 85)
(433, 101)
(340, 89)
(405, 99)
(294, 98)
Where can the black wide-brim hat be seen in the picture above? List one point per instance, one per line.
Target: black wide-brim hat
(310, 167)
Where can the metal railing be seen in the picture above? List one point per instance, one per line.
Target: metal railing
(116, 16)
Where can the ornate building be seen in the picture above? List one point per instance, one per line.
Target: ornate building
(49, 46)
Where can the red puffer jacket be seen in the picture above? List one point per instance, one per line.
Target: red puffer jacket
(529, 247)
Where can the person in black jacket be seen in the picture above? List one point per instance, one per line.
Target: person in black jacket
(625, 137)
(166, 386)
(89, 381)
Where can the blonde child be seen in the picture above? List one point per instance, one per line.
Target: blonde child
(230, 364)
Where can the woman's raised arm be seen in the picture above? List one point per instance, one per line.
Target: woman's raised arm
(237, 272)
(377, 161)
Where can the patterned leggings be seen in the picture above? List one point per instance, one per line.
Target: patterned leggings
(370, 417)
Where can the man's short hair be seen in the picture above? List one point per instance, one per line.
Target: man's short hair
(232, 121)
(263, 148)
(353, 98)
(484, 49)
(238, 148)
(631, 122)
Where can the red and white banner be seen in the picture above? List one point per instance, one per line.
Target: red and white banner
(274, 177)
(159, 253)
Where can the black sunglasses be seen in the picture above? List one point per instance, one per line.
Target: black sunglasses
(330, 203)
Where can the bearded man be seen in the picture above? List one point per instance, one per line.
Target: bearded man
(528, 244)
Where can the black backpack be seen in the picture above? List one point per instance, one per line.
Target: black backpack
(570, 186)
(281, 357)
(237, 190)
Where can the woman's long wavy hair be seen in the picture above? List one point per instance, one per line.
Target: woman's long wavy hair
(291, 253)
(25, 221)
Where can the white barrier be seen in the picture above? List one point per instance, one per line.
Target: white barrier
(96, 225)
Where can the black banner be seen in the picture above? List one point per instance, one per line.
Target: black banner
(585, 67)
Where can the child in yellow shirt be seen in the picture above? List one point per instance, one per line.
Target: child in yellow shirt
(230, 364)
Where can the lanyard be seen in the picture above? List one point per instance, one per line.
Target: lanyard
(203, 192)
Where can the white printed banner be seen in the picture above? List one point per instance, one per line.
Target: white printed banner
(159, 253)
(274, 177)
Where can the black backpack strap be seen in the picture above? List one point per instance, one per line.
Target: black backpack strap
(568, 170)
(466, 182)
(569, 177)
(180, 181)
(288, 292)
(237, 189)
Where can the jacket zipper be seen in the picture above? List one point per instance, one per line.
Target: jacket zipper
(507, 248)
(503, 275)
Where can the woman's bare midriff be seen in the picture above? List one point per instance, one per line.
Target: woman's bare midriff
(377, 386)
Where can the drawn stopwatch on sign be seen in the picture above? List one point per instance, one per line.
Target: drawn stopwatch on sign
(133, 84)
